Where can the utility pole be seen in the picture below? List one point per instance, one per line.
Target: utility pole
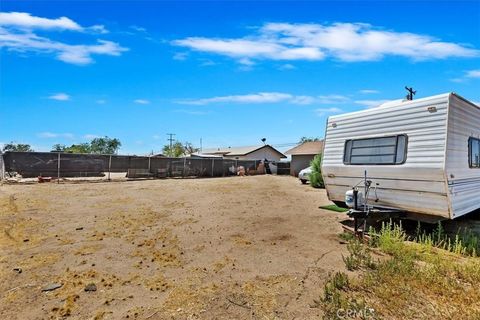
(170, 139)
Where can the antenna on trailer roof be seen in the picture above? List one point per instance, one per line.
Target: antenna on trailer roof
(411, 93)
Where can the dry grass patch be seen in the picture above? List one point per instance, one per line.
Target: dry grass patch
(163, 249)
(415, 281)
(240, 239)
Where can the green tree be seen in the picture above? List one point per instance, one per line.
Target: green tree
(307, 139)
(17, 147)
(177, 150)
(316, 179)
(58, 148)
(105, 145)
(79, 148)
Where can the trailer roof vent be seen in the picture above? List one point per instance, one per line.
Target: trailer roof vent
(410, 93)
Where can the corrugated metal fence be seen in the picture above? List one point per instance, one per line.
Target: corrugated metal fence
(53, 164)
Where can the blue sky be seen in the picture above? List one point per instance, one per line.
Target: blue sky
(230, 73)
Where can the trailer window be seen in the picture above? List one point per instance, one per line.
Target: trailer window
(474, 153)
(375, 151)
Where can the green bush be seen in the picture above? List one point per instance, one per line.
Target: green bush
(316, 179)
(359, 256)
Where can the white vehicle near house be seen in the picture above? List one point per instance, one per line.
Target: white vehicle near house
(422, 156)
(304, 175)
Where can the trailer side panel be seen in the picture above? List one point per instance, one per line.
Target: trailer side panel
(463, 180)
(417, 185)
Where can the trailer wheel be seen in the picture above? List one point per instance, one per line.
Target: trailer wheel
(304, 181)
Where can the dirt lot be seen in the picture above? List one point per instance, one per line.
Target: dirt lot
(242, 247)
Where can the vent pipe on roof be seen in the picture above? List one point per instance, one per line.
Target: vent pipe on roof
(410, 93)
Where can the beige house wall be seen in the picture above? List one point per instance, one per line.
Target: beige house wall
(300, 162)
(261, 154)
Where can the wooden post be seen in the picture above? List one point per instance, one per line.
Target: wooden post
(58, 168)
(109, 166)
(149, 163)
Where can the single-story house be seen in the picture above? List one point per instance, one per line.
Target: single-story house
(204, 156)
(303, 154)
(246, 153)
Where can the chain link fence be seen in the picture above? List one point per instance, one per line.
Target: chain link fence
(67, 165)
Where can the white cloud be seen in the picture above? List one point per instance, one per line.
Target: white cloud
(59, 97)
(287, 66)
(245, 50)
(98, 28)
(302, 100)
(348, 42)
(24, 20)
(207, 63)
(17, 35)
(332, 99)
(368, 91)
(473, 74)
(268, 97)
(322, 111)
(261, 97)
(180, 56)
(192, 112)
(138, 28)
(156, 137)
(101, 101)
(50, 135)
(90, 136)
(141, 101)
(370, 103)
(458, 80)
(467, 75)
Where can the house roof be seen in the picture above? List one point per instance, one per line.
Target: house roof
(239, 151)
(307, 148)
(206, 156)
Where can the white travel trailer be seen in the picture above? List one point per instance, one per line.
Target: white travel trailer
(422, 156)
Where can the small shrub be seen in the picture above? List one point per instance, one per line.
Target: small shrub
(410, 280)
(391, 239)
(464, 242)
(359, 256)
(333, 298)
(316, 179)
(336, 298)
(347, 236)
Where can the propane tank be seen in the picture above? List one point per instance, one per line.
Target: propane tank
(354, 199)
